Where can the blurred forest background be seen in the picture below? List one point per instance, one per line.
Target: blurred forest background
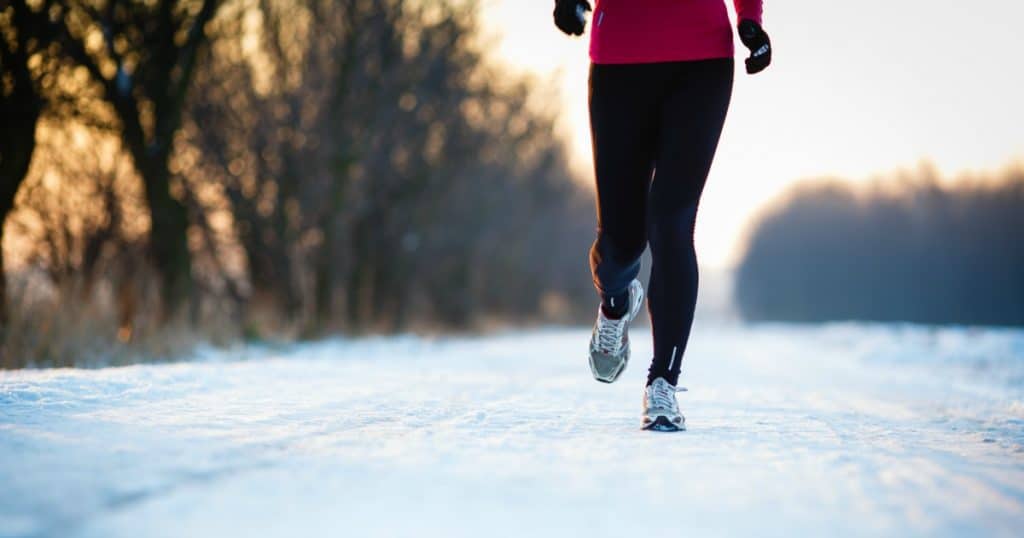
(911, 247)
(183, 171)
(180, 169)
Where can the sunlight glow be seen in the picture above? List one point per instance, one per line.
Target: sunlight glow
(852, 93)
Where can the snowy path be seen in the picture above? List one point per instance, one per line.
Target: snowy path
(842, 430)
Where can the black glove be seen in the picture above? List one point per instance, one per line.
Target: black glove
(755, 39)
(570, 15)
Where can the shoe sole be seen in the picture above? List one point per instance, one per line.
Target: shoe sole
(663, 424)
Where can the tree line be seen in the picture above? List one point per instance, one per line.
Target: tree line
(912, 248)
(278, 167)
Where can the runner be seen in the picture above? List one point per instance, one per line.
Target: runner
(660, 82)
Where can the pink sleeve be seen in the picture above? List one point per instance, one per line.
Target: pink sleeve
(748, 9)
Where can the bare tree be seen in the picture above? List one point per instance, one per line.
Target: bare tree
(145, 64)
(379, 171)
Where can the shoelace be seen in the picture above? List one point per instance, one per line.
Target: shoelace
(609, 334)
(664, 395)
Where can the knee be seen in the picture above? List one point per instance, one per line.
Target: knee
(618, 250)
(672, 225)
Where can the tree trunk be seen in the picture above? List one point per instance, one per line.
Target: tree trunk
(168, 234)
(324, 278)
(360, 279)
(17, 144)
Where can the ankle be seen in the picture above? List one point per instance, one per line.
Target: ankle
(672, 379)
(615, 306)
(617, 313)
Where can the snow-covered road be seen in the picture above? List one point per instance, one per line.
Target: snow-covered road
(836, 430)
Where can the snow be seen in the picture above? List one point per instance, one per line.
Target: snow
(841, 430)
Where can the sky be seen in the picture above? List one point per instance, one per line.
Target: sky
(855, 90)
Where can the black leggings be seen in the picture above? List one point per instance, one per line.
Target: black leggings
(654, 128)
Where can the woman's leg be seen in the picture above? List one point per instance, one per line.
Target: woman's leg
(624, 121)
(691, 119)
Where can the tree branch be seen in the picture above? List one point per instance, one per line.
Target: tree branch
(190, 50)
(74, 49)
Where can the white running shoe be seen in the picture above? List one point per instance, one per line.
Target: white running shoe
(609, 343)
(661, 410)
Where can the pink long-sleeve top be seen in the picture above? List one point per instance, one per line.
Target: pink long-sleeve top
(647, 31)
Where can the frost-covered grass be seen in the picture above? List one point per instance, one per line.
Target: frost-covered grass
(835, 430)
